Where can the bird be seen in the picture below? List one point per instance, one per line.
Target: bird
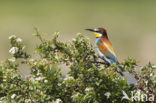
(105, 48)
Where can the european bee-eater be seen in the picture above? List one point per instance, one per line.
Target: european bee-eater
(104, 47)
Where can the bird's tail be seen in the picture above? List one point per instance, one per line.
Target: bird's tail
(120, 70)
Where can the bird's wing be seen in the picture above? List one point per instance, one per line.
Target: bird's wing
(106, 48)
(108, 45)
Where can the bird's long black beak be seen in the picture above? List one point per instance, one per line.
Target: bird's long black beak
(92, 30)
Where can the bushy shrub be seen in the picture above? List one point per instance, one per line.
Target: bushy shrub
(89, 80)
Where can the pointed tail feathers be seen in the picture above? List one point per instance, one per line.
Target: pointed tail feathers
(120, 70)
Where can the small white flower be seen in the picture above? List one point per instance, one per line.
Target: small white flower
(13, 96)
(107, 94)
(88, 89)
(151, 74)
(12, 36)
(27, 100)
(138, 92)
(13, 50)
(12, 59)
(58, 100)
(146, 82)
(39, 78)
(154, 66)
(59, 84)
(31, 60)
(68, 78)
(19, 40)
(35, 63)
(45, 81)
(2, 98)
(73, 39)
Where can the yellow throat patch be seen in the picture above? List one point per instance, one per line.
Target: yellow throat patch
(97, 35)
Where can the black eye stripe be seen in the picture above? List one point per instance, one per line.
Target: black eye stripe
(98, 32)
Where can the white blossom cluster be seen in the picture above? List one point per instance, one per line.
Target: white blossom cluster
(2, 99)
(88, 89)
(33, 61)
(107, 94)
(14, 37)
(39, 78)
(19, 40)
(68, 78)
(13, 96)
(13, 50)
(58, 100)
(13, 59)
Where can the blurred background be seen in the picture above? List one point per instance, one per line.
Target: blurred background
(131, 25)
